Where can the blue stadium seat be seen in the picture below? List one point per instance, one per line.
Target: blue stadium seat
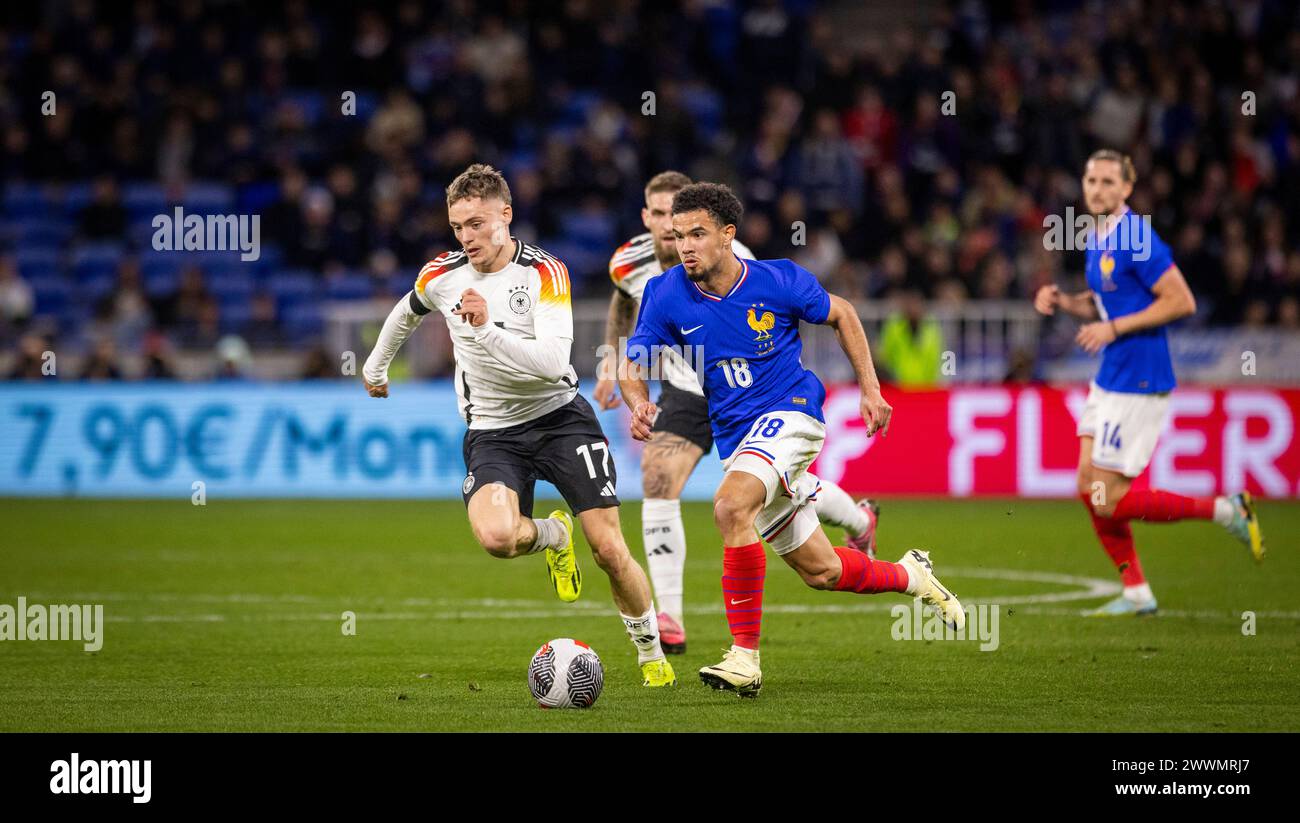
(140, 231)
(581, 260)
(76, 196)
(577, 106)
(74, 320)
(94, 269)
(234, 317)
(291, 282)
(705, 106)
(52, 291)
(219, 262)
(400, 283)
(350, 286)
(95, 284)
(144, 200)
(41, 260)
(591, 230)
(303, 322)
(28, 199)
(43, 232)
(161, 272)
(271, 258)
(367, 105)
(312, 104)
(520, 160)
(90, 253)
(230, 284)
(208, 198)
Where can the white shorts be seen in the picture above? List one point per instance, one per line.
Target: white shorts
(1124, 427)
(778, 450)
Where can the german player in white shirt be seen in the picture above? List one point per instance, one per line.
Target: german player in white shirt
(508, 310)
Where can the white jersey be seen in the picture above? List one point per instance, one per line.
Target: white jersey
(633, 265)
(515, 367)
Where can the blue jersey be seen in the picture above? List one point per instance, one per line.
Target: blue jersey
(749, 338)
(1137, 362)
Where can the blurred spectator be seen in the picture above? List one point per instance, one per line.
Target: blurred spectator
(102, 363)
(16, 298)
(264, 329)
(234, 358)
(848, 136)
(31, 363)
(911, 345)
(318, 366)
(105, 217)
(158, 358)
(126, 309)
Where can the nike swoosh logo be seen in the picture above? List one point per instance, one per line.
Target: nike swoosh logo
(688, 331)
(738, 602)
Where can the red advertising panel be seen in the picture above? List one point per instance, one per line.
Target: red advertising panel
(1020, 440)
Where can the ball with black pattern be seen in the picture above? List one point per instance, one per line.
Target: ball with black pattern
(565, 674)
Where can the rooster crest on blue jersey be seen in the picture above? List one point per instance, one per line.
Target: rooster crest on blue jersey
(750, 339)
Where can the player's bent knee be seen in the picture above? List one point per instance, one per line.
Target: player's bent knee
(609, 554)
(497, 541)
(731, 514)
(821, 579)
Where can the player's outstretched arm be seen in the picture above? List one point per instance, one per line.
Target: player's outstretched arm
(632, 383)
(402, 320)
(853, 340)
(622, 314)
(1174, 301)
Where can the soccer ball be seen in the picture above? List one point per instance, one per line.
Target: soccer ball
(565, 674)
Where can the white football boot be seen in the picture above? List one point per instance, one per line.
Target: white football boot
(927, 587)
(738, 672)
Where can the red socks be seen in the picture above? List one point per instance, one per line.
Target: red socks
(743, 571)
(1163, 507)
(1117, 539)
(863, 575)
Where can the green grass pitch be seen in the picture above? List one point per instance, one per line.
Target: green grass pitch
(228, 617)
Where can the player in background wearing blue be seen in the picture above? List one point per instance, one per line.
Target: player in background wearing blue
(766, 413)
(1134, 291)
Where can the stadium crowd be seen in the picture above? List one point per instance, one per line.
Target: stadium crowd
(912, 162)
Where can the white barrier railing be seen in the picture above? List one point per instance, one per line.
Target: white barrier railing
(989, 341)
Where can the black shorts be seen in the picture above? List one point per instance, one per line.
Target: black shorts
(686, 415)
(565, 447)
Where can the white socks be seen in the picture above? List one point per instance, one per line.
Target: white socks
(644, 631)
(665, 552)
(836, 508)
(550, 535)
(1223, 511)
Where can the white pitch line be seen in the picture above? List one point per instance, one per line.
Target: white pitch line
(492, 608)
(1090, 587)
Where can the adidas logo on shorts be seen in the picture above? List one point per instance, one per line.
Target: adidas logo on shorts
(607, 490)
